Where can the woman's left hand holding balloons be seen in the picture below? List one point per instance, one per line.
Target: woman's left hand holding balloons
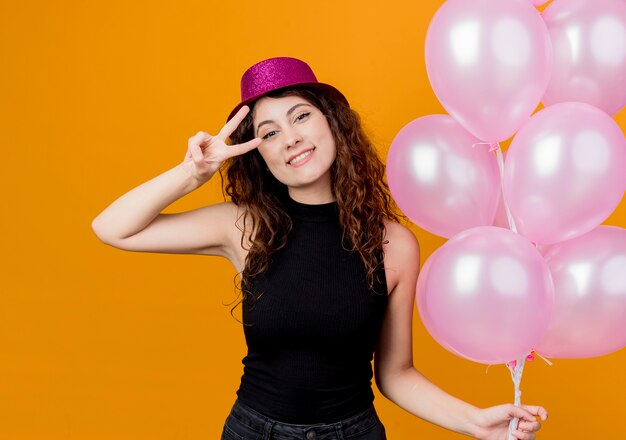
(493, 423)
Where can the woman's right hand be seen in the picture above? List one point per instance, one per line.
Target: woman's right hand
(205, 153)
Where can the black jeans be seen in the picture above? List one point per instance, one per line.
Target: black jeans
(244, 423)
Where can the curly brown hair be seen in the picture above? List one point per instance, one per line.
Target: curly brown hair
(364, 199)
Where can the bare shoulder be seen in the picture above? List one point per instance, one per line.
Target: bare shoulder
(401, 242)
(401, 254)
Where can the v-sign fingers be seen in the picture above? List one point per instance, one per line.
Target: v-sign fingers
(236, 150)
(231, 125)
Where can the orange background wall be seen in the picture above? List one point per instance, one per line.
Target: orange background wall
(99, 97)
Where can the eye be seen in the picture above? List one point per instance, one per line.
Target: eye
(267, 135)
(302, 116)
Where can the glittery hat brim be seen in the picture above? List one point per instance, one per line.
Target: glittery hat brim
(316, 85)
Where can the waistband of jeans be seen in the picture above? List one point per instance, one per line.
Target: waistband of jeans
(352, 425)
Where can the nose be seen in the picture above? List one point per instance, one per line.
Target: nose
(293, 137)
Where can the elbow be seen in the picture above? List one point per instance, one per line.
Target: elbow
(385, 388)
(97, 228)
(388, 381)
(381, 383)
(382, 389)
(100, 232)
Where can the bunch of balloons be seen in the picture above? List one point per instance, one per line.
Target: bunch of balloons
(553, 280)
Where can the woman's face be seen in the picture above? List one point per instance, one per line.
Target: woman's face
(297, 143)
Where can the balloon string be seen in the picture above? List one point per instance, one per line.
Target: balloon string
(495, 146)
(509, 217)
(546, 360)
(516, 368)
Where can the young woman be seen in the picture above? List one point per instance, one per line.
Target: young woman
(328, 273)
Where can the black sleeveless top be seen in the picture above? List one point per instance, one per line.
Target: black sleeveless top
(312, 331)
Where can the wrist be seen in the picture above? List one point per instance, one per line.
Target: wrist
(191, 181)
(473, 422)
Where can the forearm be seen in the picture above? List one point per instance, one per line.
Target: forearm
(136, 209)
(414, 393)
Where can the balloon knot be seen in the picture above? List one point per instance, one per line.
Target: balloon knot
(492, 145)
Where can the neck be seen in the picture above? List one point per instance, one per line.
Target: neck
(311, 196)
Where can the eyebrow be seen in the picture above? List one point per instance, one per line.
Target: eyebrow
(289, 112)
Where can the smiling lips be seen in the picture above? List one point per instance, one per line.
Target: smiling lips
(300, 158)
